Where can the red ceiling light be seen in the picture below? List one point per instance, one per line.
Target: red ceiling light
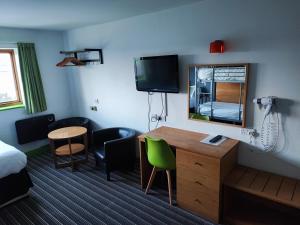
(216, 46)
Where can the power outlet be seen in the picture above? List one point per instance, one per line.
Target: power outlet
(94, 108)
(155, 118)
(164, 118)
(248, 131)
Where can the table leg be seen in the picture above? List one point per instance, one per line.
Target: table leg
(145, 168)
(86, 146)
(71, 155)
(52, 146)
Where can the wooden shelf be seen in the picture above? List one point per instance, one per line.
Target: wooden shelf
(77, 58)
(64, 150)
(253, 197)
(246, 209)
(245, 215)
(276, 188)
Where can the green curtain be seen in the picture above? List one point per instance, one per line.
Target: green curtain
(34, 95)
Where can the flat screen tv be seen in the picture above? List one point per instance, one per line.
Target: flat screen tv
(157, 74)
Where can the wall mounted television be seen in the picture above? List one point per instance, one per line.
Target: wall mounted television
(157, 74)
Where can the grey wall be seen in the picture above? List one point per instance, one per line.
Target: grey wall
(48, 44)
(263, 33)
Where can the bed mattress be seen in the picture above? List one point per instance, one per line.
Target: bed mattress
(14, 187)
(12, 160)
(230, 111)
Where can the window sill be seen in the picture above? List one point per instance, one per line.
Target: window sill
(12, 107)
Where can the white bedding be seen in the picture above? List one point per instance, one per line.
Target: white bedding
(221, 110)
(12, 160)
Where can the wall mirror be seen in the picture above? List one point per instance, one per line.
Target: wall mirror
(218, 93)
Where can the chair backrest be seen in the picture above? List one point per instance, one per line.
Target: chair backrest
(199, 116)
(159, 153)
(67, 122)
(108, 134)
(125, 132)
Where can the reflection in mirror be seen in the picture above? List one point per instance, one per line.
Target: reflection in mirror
(218, 93)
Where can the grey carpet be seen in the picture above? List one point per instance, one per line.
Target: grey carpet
(85, 197)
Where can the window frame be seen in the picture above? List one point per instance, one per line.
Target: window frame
(16, 80)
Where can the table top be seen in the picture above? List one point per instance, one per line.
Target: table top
(67, 132)
(190, 141)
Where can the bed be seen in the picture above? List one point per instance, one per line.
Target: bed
(14, 179)
(222, 110)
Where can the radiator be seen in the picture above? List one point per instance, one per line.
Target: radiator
(34, 128)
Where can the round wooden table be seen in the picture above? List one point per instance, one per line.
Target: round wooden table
(69, 149)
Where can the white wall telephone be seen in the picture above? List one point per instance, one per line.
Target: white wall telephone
(269, 133)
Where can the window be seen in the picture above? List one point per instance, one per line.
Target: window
(10, 93)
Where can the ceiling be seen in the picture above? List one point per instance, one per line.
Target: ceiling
(69, 14)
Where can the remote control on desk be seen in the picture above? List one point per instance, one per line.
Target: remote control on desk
(215, 139)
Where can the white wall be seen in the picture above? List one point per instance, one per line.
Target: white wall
(48, 44)
(263, 33)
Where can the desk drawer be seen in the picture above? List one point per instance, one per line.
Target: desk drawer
(195, 190)
(198, 199)
(198, 164)
(198, 183)
(199, 180)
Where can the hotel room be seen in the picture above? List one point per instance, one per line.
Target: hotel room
(150, 112)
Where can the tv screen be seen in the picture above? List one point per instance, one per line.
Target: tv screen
(157, 74)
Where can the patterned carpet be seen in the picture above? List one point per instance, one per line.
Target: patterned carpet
(85, 197)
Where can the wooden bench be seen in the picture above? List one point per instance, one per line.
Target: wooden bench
(256, 197)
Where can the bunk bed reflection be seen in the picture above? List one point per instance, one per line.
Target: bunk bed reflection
(218, 92)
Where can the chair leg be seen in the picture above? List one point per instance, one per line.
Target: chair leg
(154, 170)
(169, 186)
(97, 162)
(107, 170)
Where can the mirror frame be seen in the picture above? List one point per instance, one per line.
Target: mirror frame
(246, 65)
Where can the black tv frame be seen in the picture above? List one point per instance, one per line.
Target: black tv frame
(153, 89)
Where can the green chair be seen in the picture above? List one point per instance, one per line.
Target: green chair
(199, 116)
(161, 157)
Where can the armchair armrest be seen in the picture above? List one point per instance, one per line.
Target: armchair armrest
(101, 136)
(119, 147)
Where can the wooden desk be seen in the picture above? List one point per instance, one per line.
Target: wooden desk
(200, 169)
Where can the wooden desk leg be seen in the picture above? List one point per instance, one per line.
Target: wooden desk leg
(145, 168)
(53, 150)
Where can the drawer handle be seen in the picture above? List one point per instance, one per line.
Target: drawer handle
(198, 201)
(198, 164)
(197, 182)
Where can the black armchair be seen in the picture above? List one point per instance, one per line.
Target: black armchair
(72, 121)
(115, 147)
